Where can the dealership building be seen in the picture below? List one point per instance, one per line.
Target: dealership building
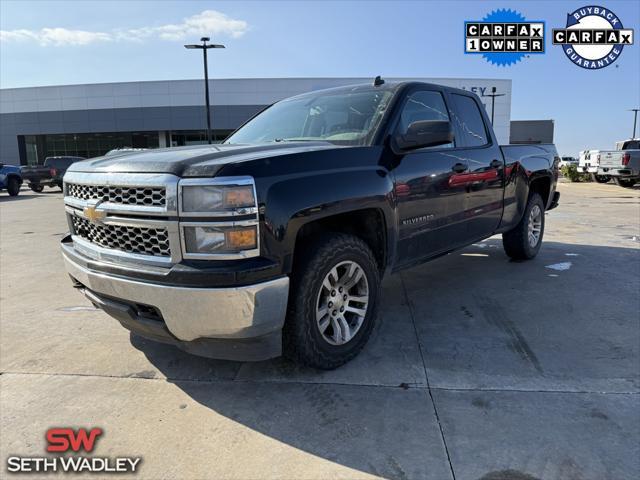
(89, 120)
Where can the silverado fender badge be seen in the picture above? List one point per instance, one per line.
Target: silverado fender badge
(416, 220)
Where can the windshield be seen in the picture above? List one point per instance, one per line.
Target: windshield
(344, 118)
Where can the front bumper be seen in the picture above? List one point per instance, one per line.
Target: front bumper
(191, 315)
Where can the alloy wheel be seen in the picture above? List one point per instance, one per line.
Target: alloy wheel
(535, 225)
(341, 304)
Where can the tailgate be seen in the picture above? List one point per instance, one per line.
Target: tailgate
(35, 173)
(611, 159)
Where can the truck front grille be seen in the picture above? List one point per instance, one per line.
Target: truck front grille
(144, 196)
(143, 241)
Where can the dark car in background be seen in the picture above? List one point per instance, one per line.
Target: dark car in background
(49, 174)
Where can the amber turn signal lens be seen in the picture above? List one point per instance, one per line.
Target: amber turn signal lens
(239, 197)
(242, 238)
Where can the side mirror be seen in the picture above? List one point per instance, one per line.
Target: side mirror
(424, 133)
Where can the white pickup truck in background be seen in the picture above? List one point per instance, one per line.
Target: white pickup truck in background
(589, 162)
(621, 164)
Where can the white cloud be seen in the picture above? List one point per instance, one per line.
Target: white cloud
(207, 23)
(54, 36)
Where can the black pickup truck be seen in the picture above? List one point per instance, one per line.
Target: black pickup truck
(49, 174)
(275, 241)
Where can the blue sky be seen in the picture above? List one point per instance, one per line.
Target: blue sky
(90, 42)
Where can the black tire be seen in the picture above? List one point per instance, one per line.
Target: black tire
(36, 187)
(516, 242)
(303, 341)
(600, 178)
(624, 182)
(13, 186)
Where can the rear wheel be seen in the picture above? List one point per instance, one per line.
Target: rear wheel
(600, 178)
(625, 182)
(333, 302)
(523, 242)
(13, 186)
(36, 187)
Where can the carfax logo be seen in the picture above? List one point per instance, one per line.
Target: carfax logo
(504, 37)
(593, 38)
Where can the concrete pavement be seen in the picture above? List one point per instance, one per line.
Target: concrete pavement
(479, 368)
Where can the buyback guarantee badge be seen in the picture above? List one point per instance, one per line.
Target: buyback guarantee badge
(593, 37)
(504, 37)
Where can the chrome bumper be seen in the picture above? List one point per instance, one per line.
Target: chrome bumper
(194, 313)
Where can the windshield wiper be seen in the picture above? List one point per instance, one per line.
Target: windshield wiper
(297, 140)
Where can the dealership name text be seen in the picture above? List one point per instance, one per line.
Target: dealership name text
(73, 464)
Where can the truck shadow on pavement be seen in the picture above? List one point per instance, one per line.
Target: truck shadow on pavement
(469, 322)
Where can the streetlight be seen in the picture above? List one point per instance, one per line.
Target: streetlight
(204, 47)
(493, 96)
(635, 120)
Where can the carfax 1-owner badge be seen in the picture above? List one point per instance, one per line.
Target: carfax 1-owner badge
(504, 37)
(593, 37)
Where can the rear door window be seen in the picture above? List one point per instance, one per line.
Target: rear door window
(469, 121)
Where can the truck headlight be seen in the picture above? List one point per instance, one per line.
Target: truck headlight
(212, 240)
(218, 218)
(216, 198)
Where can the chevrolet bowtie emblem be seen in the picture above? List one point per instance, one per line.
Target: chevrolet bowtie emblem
(92, 213)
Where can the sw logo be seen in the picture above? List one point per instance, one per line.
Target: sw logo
(65, 439)
(504, 37)
(593, 38)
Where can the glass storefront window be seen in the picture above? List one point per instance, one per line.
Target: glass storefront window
(90, 145)
(196, 137)
(31, 148)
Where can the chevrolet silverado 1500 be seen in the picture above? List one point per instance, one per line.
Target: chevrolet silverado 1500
(275, 241)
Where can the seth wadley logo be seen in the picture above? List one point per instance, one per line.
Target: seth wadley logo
(593, 37)
(63, 440)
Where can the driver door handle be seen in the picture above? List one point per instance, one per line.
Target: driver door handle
(459, 168)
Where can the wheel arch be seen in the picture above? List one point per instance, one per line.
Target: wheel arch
(368, 224)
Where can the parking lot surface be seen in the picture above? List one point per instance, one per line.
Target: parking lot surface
(479, 367)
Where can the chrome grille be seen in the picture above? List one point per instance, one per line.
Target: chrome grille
(140, 240)
(145, 196)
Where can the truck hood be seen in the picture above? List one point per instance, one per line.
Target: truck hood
(196, 161)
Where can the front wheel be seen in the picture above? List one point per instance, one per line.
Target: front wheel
(333, 302)
(13, 186)
(625, 182)
(36, 187)
(523, 242)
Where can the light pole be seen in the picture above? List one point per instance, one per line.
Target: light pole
(493, 96)
(635, 120)
(204, 47)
